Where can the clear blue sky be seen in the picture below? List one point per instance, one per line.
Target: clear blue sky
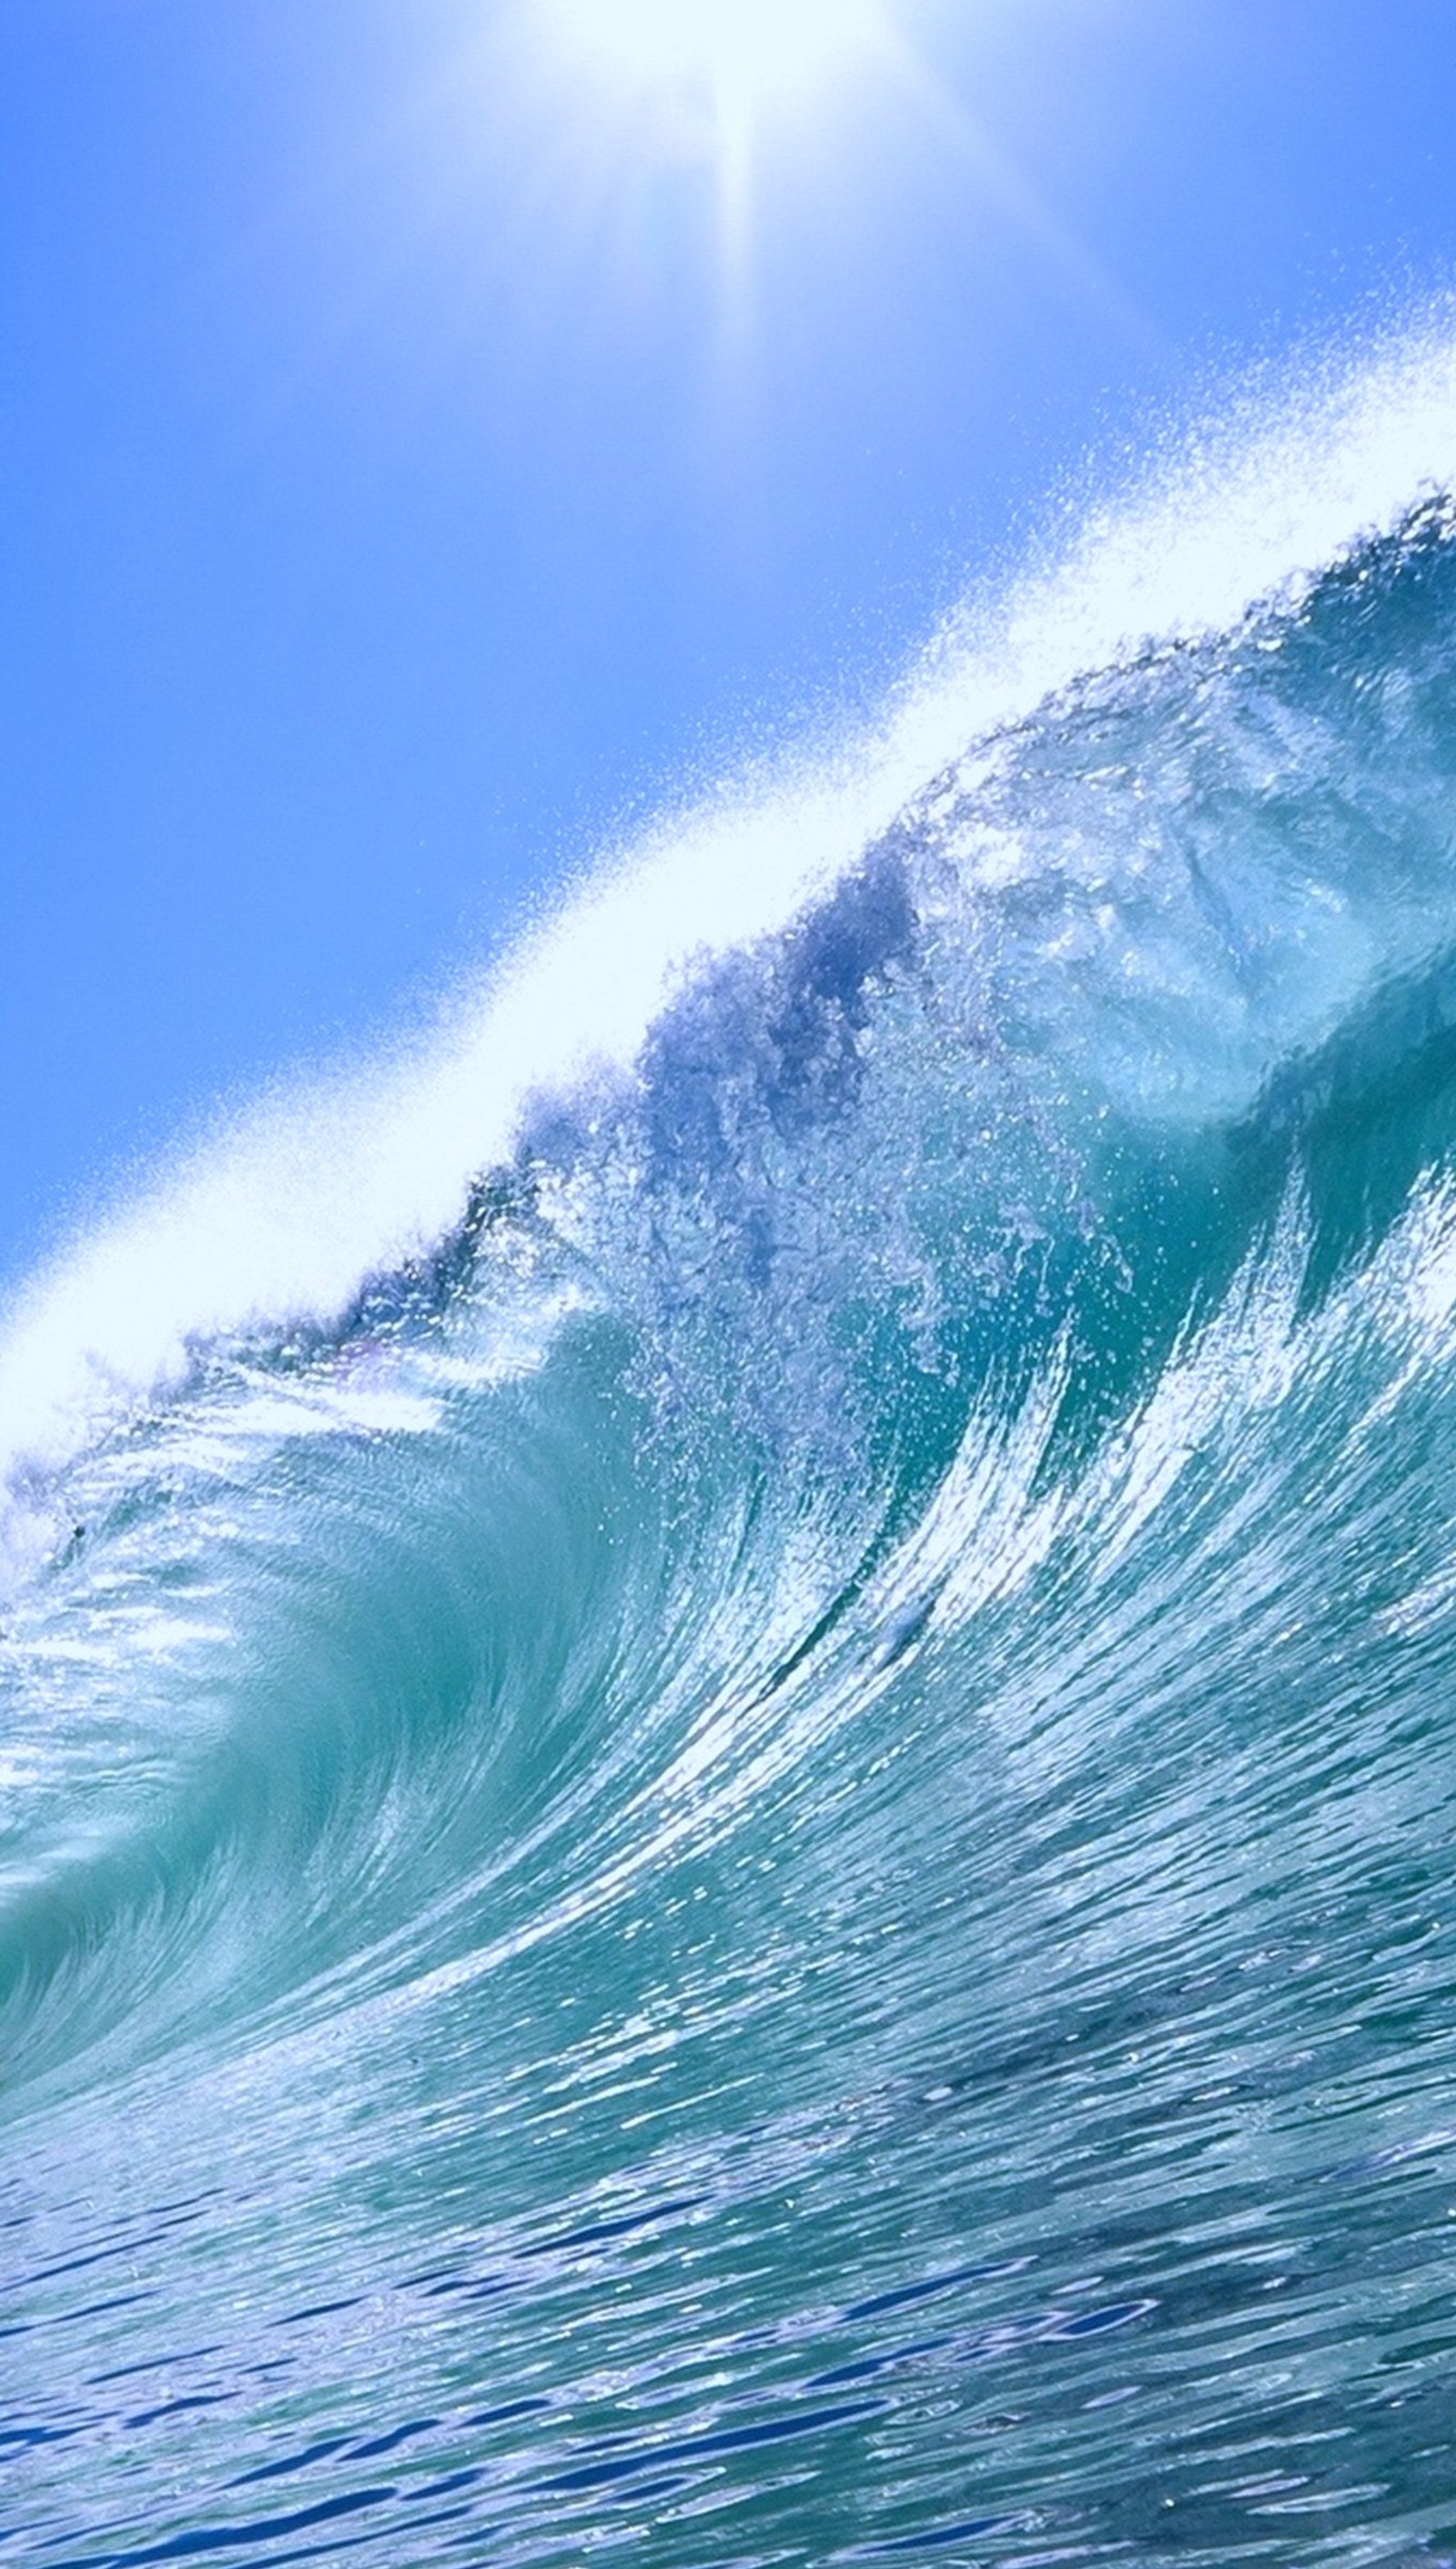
(395, 496)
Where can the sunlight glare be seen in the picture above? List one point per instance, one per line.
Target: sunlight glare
(749, 45)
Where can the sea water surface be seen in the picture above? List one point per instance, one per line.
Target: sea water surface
(728, 1728)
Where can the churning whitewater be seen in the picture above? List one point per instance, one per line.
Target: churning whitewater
(729, 1706)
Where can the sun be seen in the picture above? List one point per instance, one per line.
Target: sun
(752, 47)
(718, 89)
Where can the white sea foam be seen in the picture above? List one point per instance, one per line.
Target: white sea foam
(280, 1214)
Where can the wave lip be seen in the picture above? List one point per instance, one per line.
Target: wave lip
(281, 1216)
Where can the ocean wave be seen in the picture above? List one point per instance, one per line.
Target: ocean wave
(726, 1707)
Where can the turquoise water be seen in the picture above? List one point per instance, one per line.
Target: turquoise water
(753, 1863)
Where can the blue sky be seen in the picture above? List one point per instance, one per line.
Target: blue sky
(399, 496)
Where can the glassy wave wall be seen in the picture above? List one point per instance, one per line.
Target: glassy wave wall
(748, 1858)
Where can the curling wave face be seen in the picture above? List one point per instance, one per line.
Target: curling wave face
(752, 1858)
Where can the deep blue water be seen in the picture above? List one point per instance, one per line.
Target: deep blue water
(757, 1866)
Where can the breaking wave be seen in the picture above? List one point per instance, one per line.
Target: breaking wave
(727, 1707)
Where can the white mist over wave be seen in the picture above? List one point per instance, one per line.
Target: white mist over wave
(280, 1215)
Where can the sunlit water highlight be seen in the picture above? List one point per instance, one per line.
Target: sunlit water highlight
(728, 1713)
